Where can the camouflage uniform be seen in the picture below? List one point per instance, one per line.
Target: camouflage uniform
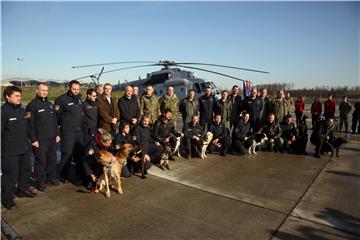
(288, 105)
(278, 107)
(150, 106)
(171, 103)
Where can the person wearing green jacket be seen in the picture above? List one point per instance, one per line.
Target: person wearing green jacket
(278, 106)
(170, 101)
(149, 104)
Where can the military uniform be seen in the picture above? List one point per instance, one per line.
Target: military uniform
(219, 131)
(223, 108)
(188, 109)
(150, 106)
(15, 145)
(288, 132)
(272, 131)
(288, 105)
(69, 110)
(90, 120)
(172, 103)
(345, 109)
(190, 143)
(278, 107)
(206, 110)
(43, 128)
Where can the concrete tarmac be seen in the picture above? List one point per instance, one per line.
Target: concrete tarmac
(267, 196)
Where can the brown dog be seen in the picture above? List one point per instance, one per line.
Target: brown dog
(112, 166)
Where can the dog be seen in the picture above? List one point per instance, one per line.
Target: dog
(177, 138)
(164, 158)
(204, 143)
(257, 140)
(112, 166)
(336, 143)
(137, 152)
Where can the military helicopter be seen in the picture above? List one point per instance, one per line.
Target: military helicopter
(169, 75)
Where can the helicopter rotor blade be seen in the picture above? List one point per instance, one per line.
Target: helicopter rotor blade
(205, 70)
(98, 77)
(225, 66)
(119, 69)
(111, 63)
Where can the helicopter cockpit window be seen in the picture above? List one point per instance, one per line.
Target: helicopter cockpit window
(182, 89)
(197, 88)
(159, 78)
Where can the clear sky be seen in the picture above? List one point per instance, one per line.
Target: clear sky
(307, 43)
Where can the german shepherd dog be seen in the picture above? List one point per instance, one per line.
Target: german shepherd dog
(112, 166)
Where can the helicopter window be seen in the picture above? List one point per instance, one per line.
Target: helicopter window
(197, 87)
(182, 89)
(158, 78)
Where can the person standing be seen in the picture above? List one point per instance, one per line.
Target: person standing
(222, 107)
(149, 104)
(70, 112)
(90, 120)
(206, 106)
(236, 105)
(252, 105)
(344, 108)
(129, 108)
(170, 101)
(299, 109)
(316, 110)
(356, 117)
(100, 89)
(108, 110)
(15, 160)
(329, 107)
(136, 94)
(265, 106)
(278, 106)
(188, 107)
(44, 134)
(288, 103)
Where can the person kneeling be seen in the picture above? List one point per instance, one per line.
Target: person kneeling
(220, 140)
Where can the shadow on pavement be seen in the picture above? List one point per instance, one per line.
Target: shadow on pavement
(342, 173)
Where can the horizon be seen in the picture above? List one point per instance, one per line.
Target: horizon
(306, 43)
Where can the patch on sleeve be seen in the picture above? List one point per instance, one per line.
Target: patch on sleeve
(28, 115)
(57, 107)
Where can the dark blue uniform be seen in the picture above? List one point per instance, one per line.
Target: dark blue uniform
(206, 110)
(241, 131)
(70, 112)
(190, 143)
(15, 145)
(253, 107)
(90, 121)
(43, 128)
(219, 131)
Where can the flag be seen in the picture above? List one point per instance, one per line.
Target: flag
(246, 88)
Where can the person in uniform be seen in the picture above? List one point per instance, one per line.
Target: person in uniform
(222, 107)
(193, 134)
(90, 120)
(241, 131)
(236, 105)
(344, 108)
(206, 103)
(188, 107)
(278, 106)
(289, 133)
(170, 101)
(356, 117)
(108, 110)
(273, 131)
(323, 136)
(129, 108)
(289, 101)
(220, 139)
(253, 106)
(149, 104)
(70, 111)
(15, 160)
(44, 134)
(265, 106)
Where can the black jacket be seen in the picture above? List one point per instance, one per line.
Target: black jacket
(143, 137)
(219, 131)
(162, 130)
(123, 139)
(241, 130)
(70, 112)
(253, 107)
(42, 120)
(190, 130)
(90, 120)
(14, 131)
(129, 109)
(288, 130)
(272, 131)
(206, 108)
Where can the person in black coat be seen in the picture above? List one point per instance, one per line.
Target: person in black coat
(253, 106)
(44, 134)
(240, 132)
(236, 105)
(206, 103)
(70, 112)
(15, 160)
(193, 134)
(129, 108)
(89, 123)
(220, 139)
(289, 133)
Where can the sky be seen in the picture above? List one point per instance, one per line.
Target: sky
(305, 43)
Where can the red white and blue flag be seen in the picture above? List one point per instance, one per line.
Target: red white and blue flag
(246, 88)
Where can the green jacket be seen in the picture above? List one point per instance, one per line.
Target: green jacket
(171, 103)
(278, 107)
(150, 106)
(188, 108)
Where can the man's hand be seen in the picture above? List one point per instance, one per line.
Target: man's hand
(167, 139)
(133, 121)
(93, 177)
(271, 140)
(215, 141)
(157, 143)
(58, 139)
(114, 120)
(289, 142)
(35, 144)
(135, 159)
(147, 157)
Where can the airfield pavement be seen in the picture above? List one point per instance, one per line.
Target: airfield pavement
(267, 196)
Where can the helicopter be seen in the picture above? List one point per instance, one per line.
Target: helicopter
(170, 74)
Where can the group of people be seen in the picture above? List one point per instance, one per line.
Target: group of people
(101, 121)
